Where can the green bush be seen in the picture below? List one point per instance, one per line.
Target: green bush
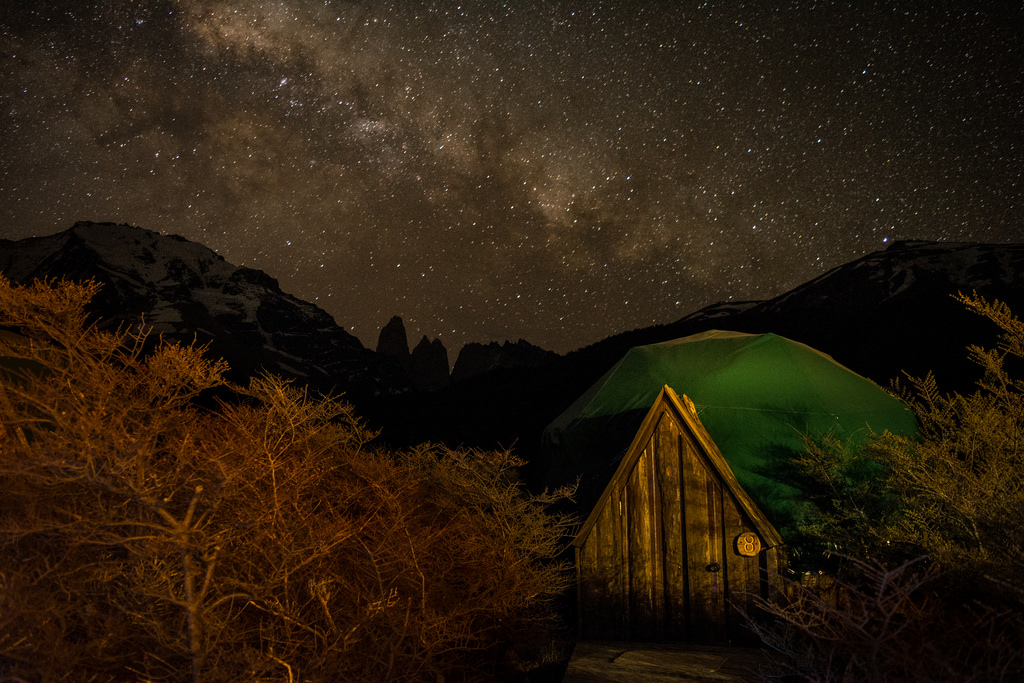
(955, 490)
(149, 530)
(926, 534)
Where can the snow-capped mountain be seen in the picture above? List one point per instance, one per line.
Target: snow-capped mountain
(886, 313)
(185, 291)
(894, 311)
(905, 268)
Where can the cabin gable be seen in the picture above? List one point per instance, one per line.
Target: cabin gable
(674, 545)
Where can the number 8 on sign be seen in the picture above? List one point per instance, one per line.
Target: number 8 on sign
(748, 544)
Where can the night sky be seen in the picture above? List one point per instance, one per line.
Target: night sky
(552, 171)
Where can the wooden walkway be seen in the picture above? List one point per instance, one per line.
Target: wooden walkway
(616, 662)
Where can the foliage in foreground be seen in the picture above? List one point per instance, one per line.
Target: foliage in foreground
(929, 531)
(145, 536)
(956, 489)
(889, 624)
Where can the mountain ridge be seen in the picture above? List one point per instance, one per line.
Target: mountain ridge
(884, 314)
(185, 291)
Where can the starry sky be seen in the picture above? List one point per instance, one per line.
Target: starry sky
(552, 171)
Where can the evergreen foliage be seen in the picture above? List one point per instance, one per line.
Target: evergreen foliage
(152, 531)
(956, 489)
(927, 537)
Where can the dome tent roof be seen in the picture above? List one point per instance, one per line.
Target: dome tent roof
(757, 395)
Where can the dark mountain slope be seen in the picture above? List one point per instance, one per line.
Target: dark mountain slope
(185, 291)
(894, 311)
(884, 314)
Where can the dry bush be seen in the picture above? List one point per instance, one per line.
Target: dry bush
(879, 624)
(262, 537)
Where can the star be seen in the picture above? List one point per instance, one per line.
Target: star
(537, 170)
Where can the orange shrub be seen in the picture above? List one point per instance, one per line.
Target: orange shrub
(261, 537)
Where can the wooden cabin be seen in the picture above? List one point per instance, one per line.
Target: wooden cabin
(674, 548)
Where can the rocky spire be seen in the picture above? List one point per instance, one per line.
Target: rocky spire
(393, 342)
(430, 365)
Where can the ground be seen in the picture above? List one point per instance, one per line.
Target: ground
(615, 662)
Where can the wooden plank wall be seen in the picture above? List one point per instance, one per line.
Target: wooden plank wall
(602, 575)
(643, 552)
(643, 571)
(667, 441)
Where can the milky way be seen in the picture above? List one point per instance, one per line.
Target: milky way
(553, 171)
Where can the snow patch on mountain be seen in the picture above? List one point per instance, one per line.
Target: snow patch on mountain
(902, 268)
(185, 291)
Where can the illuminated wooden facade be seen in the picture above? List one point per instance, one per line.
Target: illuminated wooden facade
(674, 547)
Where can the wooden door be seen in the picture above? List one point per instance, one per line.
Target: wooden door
(704, 531)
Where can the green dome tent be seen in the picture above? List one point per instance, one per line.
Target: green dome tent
(757, 395)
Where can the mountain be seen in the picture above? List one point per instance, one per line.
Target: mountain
(893, 311)
(426, 366)
(187, 292)
(429, 365)
(477, 359)
(884, 314)
(888, 313)
(394, 342)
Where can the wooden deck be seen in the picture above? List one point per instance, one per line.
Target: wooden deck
(620, 662)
